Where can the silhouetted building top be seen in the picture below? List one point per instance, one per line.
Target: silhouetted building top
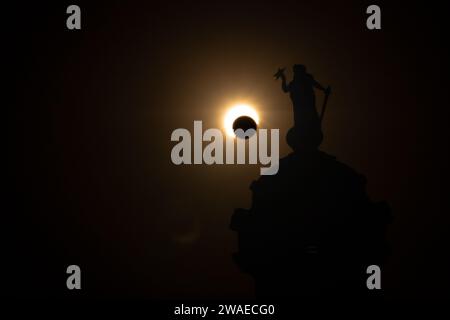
(312, 230)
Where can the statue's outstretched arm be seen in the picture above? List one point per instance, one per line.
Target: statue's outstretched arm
(327, 90)
(318, 85)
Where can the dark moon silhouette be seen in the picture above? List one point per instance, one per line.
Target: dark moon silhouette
(244, 123)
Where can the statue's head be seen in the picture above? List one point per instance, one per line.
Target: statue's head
(299, 69)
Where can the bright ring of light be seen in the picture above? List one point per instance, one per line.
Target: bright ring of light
(237, 111)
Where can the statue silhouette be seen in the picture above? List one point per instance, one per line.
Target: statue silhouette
(312, 230)
(307, 123)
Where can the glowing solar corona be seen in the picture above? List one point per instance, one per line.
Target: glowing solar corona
(236, 111)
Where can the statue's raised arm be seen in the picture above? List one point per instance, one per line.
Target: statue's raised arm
(280, 74)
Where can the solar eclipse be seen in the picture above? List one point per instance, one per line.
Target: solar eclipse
(240, 116)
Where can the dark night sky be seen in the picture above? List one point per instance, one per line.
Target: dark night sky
(92, 182)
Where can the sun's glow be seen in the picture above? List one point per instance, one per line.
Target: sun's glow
(236, 111)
